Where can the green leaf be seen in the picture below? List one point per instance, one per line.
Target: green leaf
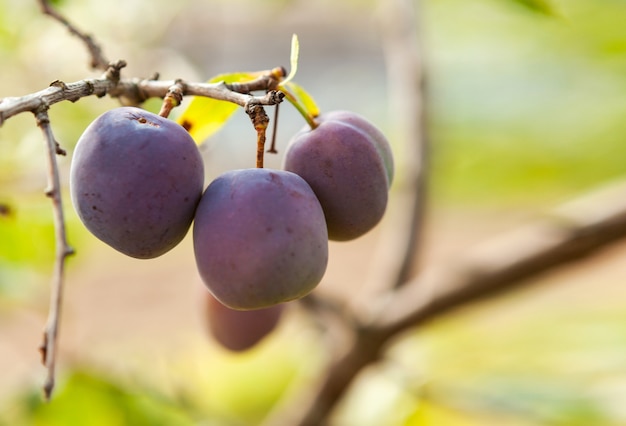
(205, 116)
(303, 98)
(539, 6)
(87, 397)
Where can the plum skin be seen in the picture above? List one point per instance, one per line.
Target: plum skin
(237, 330)
(349, 166)
(377, 137)
(259, 238)
(135, 181)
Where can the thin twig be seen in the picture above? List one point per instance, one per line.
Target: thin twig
(63, 250)
(272, 149)
(98, 61)
(265, 80)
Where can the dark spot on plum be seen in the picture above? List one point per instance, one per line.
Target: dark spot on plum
(143, 120)
(328, 168)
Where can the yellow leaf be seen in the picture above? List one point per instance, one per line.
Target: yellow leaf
(304, 99)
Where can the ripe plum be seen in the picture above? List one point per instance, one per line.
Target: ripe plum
(240, 330)
(259, 238)
(348, 163)
(377, 137)
(135, 181)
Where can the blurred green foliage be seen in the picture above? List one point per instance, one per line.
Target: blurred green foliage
(526, 108)
(541, 6)
(87, 398)
(206, 385)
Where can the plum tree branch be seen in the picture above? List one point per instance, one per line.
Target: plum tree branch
(406, 74)
(98, 60)
(568, 233)
(49, 345)
(130, 91)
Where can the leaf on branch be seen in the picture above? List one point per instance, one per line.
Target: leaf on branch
(304, 98)
(539, 6)
(205, 116)
(295, 94)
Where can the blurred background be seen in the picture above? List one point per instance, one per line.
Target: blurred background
(527, 109)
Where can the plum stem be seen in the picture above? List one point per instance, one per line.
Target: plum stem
(173, 98)
(260, 120)
(272, 149)
(303, 112)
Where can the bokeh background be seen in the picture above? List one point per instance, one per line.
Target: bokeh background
(526, 107)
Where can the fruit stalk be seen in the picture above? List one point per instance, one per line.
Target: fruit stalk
(173, 98)
(292, 99)
(260, 121)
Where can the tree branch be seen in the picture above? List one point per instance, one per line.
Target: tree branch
(98, 61)
(568, 233)
(49, 345)
(130, 91)
(406, 76)
(398, 251)
(573, 231)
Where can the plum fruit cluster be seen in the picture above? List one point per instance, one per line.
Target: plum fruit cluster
(260, 236)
